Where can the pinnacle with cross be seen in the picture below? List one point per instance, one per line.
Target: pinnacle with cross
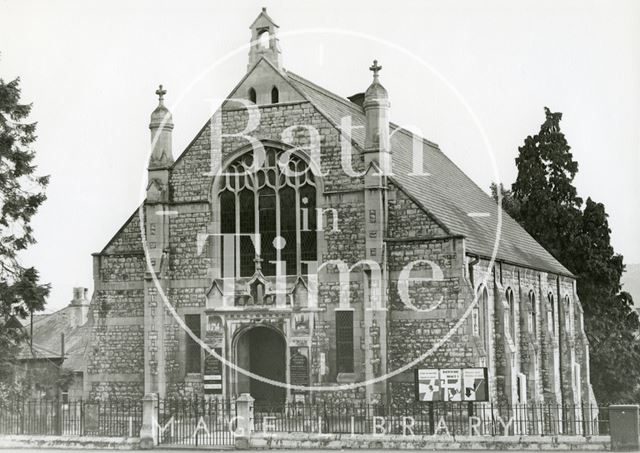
(161, 92)
(375, 68)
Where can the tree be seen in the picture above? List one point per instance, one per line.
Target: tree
(21, 194)
(509, 203)
(611, 322)
(549, 206)
(545, 202)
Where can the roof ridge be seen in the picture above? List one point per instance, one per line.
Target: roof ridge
(356, 107)
(322, 90)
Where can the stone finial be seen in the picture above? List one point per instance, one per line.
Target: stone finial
(161, 92)
(376, 107)
(375, 68)
(161, 125)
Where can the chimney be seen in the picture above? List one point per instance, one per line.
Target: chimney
(357, 99)
(79, 307)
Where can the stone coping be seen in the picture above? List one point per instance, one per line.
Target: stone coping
(362, 441)
(67, 442)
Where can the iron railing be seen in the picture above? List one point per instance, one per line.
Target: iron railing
(454, 418)
(196, 421)
(111, 418)
(199, 421)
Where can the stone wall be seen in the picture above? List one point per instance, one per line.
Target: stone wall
(434, 307)
(117, 355)
(545, 356)
(117, 349)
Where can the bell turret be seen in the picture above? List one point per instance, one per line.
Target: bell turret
(264, 41)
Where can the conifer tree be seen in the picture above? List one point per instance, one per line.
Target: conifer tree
(545, 202)
(549, 206)
(21, 194)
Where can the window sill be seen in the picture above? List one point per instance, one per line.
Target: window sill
(346, 378)
(193, 377)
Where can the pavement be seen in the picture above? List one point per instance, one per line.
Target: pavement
(185, 450)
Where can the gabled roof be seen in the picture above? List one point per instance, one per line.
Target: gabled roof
(47, 341)
(263, 19)
(447, 193)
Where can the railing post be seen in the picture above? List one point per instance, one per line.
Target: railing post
(149, 430)
(625, 431)
(244, 418)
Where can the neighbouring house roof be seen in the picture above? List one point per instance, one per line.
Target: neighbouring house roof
(447, 193)
(47, 339)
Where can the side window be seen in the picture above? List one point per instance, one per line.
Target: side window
(551, 314)
(521, 388)
(568, 316)
(344, 341)
(275, 96)
(252, 95)
(533, 316)
(193, 348)
(480, 318)
(511, 322)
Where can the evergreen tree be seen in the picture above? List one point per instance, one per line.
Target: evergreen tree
(545, 202)
(21, 194)
(508, 202)
(549, 206)
(611, 322)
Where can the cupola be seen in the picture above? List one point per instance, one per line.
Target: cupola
(161, 126)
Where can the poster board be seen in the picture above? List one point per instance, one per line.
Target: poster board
(299, 368)
(428, 385)
(451, 384)
(475, 384)
(213, 374)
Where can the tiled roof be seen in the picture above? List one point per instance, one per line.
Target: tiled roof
(47, 330)
(447, 193)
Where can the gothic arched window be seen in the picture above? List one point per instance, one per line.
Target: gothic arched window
(275, 95)
(568, 316)
(551, 314)
(511, 322)
(533, 317)
(252, 95)
(277, 201)
(485, 326)
(481, 315)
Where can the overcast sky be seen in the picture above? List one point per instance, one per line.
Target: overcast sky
(91, 68)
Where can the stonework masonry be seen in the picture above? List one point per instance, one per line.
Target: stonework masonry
(536, 349)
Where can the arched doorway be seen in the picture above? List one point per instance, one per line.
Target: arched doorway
(262, 351)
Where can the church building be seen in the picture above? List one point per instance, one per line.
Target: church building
(301, 238)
